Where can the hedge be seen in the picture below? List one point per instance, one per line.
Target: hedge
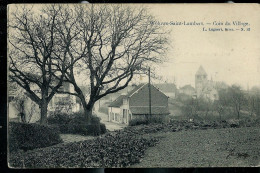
(76, 124)
(158, 119)
(26, 136)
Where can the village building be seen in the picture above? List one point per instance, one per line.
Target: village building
(187, 90)
(135, 104)
(205, 88)
(105, 101)
(65, 102)
(60, 102)
(169, 89)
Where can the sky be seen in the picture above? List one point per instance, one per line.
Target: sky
(229, 56)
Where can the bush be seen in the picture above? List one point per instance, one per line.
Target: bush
(30, 136)
(103, 128)
(157, 119)
(138, 121)
(76, 124)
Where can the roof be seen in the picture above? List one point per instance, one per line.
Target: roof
(145, 110)
(187, 87)
(166, 87)
(119, 101)
(135, 89)
(201, 71)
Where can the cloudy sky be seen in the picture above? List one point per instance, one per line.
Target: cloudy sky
(232, 57)
(229, 56)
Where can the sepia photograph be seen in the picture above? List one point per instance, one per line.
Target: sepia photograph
(133, 85)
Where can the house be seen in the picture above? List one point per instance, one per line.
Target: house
(187, 90)
(135, 104)
(59, 102)
(64, 102)
(205, 88)
(18, 102)
(102, 104)
(169, 89)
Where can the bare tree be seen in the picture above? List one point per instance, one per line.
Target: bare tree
(237, 98)
(253, 101)
(113, 42)
(37, 59)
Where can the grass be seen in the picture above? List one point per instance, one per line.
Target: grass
(205, 148)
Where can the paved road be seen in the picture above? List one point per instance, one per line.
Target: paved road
(109, 125)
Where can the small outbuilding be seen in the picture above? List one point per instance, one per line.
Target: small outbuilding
(135, 104)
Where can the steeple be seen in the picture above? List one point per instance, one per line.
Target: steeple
(201, 71)
(200, 78)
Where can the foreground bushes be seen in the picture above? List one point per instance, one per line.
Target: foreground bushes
(30, 136)
(76, 124)
(118, 149)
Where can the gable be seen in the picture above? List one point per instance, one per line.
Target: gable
(141, 97)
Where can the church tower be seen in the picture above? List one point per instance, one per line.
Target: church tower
(200, 80)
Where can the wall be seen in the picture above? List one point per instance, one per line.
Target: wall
(113, 112)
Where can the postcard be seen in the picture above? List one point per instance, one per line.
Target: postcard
(133, 85)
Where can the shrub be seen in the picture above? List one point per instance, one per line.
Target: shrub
(30, 136)
(103, 128)
(76, 124)
(138, 121)
(60, 118)
(157, 119)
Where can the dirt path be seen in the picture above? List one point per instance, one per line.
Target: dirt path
(205, 148)
(109, 125)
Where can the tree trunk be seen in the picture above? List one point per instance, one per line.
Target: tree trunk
(87, 109)
(43, 107)
(88, 113)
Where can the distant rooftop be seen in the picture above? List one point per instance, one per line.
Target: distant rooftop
(187, 87)
(166, 87)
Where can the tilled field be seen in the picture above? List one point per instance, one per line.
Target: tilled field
(205, 148)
